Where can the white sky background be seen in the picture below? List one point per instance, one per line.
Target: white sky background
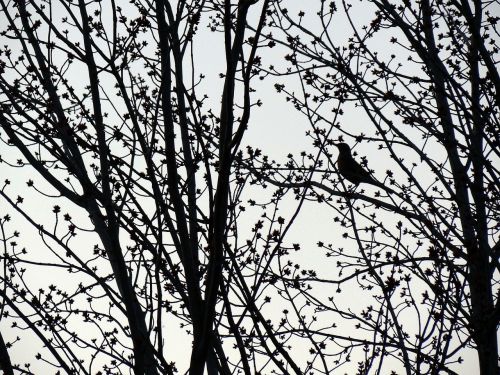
(277, 129)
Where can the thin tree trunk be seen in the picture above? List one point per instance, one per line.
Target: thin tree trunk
(5, 363)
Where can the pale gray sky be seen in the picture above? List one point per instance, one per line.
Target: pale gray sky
(278, 130)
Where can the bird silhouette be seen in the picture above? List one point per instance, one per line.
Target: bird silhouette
(350, 169)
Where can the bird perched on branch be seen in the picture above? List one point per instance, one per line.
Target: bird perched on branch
(350, 169)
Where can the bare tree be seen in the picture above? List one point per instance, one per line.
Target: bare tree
(146, 212)
(422, 79)
(101, 102)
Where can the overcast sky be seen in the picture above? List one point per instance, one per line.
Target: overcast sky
(275, 127)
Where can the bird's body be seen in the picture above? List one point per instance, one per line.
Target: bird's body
(350, 169)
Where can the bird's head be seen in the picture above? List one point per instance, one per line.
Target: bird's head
(343, 148)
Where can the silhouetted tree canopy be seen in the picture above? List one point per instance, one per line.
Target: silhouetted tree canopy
(157, 216)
